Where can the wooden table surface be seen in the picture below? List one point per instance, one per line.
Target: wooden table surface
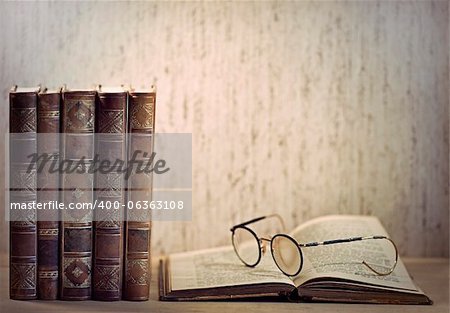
(432, 275)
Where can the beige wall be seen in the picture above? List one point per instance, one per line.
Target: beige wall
(301, 108)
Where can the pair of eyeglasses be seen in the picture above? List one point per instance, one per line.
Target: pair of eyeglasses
(286, 251)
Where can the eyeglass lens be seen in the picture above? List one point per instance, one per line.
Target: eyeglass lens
(286, 255)
(246, 245)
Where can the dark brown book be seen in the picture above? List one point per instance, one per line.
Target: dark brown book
(48, 127)
(78, 125)
(111, 115)
(138, 224)
(23, 237)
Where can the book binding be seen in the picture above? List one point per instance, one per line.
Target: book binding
(111, 114)
(78, 121)
(48, 127)
(23, 234)
(138, 224)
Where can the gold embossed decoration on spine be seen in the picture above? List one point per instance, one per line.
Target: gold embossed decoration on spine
(78, 118)
(138, 225)
(111, 113)
(23, 236)
(48, 127)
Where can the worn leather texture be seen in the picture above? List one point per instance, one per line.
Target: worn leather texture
(78, 125)
(138, 227)
(48, 127)
(23, 237)
(111, 115)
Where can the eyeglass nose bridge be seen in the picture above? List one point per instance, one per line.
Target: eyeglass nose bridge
(263, 244)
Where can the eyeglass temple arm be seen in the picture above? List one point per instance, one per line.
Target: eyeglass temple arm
(257, 219)
(334, 241)
(278, 216)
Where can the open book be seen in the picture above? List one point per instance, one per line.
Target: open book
(330, 273)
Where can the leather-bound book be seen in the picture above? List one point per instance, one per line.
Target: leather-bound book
(48, 127)
(23, 234)
(138, 224)
(111, 127)
(78, 125)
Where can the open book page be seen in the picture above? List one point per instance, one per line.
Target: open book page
(344, 260)
(220, 267)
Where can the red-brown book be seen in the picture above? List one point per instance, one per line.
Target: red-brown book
(78, 125)
(138, 224)
(23, 237)
(111, 115)
(48, 127)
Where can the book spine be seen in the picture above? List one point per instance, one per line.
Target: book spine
(23, 235)
(48, 127)
(111, 114)
(78, 121)
(138, 225)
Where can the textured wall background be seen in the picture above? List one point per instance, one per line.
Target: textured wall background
(300, 108)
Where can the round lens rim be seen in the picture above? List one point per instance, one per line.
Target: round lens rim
(298, 248)
(257, 241)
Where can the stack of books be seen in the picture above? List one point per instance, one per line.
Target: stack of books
(79, 254)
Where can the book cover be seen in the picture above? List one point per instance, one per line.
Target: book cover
(48, 127)
(23, 235)
(111, 115)
(138, 224)
(78, 125)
